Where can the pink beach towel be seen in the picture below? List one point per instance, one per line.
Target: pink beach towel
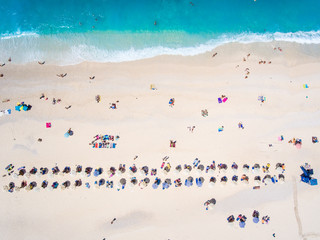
(225, 99)
(48, 125)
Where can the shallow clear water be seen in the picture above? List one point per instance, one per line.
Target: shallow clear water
(68, 32)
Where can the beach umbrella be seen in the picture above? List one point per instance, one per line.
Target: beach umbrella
(97, 172)
(122, 169)
(235, 179)
(55, 185)
(44, 184)
(255, 220)
(22, 172)
(200, 168)
(187, 169)
(234, 166)
(245, 168)
(33, 170)
(144, 170)
(101, 182)
(165, 185)
(199, 181)
(189, 181)
(178, 169)
(66, 184)
(242, 224)
(168, 180)
(66, 170)
(78, 183)
(88, 171)
(79, 169)
(123, 182)
(11, 185)
(133, 181)
(146, 180)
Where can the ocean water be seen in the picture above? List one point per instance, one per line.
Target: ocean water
(69, 31)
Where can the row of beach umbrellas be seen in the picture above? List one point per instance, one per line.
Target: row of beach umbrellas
(189, 182)
(88, 171)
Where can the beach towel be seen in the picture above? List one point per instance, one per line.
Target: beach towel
(66, 135)
(219, 100)
(114, 145)
(305, 86)
(225, 99)
(48, 125)
(220, 129)
(100, 145)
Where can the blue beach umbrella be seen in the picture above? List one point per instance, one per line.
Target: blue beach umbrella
(155, 186)
(255, 220)
(242, 224)
(165, 185)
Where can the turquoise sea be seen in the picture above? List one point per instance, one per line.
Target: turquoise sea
(69, 31)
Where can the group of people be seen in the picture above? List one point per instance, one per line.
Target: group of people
(242, 219)
(104, 141)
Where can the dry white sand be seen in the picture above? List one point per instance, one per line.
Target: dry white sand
(145, 124)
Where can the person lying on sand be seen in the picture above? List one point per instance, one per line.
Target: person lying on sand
(68, 107)
(41, 63)
(113, 220)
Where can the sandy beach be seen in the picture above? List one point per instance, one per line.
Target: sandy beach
(145, 124)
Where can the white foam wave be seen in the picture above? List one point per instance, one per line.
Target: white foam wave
(18, 34)
(66, 50)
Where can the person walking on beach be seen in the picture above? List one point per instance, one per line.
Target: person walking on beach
(113, 220)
